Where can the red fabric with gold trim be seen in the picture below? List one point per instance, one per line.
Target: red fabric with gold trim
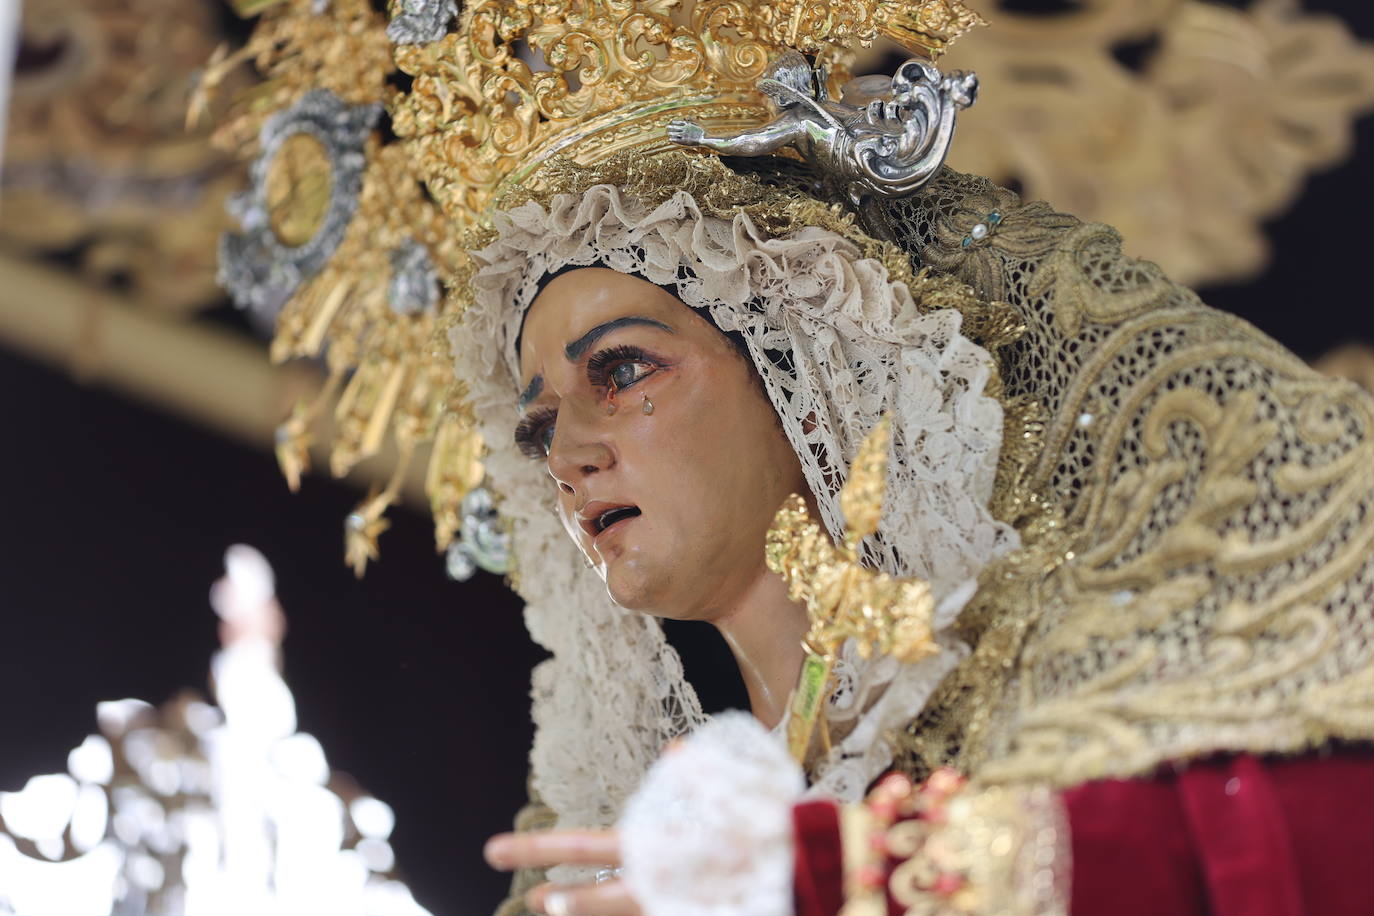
(1231, 836)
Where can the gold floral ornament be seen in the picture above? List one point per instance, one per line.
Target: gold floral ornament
(844, 599)
(954, 848)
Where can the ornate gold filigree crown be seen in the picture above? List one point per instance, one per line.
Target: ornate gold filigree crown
(521, 82)
(350, 233)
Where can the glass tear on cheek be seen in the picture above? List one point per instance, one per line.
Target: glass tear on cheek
(610, 403)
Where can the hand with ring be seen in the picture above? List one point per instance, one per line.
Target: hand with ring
(545, 848)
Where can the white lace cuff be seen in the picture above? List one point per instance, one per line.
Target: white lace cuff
(709, 830)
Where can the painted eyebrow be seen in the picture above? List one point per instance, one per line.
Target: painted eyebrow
(531, 391)
(574, 350)
(577, 348)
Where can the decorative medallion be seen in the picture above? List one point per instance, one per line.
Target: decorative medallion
(305, 186)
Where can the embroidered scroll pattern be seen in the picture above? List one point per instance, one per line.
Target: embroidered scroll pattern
(1196, 572)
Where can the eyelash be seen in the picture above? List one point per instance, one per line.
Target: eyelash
(531, 432)
(603, 363)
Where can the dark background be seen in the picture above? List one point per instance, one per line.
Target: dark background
(116, 518)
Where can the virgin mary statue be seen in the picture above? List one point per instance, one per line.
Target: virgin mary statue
(685, 266)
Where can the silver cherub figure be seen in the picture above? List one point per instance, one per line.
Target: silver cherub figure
(881, 137)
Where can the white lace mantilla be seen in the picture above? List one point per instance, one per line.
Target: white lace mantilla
(858, 346)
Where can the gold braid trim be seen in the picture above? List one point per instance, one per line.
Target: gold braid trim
(1197, 568)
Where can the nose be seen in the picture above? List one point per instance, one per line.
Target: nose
(577, 451)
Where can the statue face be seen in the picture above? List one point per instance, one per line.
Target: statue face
(670, 503)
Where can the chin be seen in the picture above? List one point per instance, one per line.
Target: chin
(636, 589)
(631, 595)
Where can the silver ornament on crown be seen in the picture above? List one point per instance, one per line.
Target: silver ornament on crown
(883, 136)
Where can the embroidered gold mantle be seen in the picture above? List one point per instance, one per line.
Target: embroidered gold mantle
(1197, 574)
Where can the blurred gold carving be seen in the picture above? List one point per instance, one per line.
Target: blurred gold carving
(1187, 154)
(295, 48)
(362, 528)
(1353, 361)
(97, 160)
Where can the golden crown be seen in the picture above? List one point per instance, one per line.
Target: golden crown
(520, 82)
(350, 235)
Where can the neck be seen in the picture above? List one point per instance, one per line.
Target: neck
(765, 634)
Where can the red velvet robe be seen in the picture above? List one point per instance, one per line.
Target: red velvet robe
(1232, 836)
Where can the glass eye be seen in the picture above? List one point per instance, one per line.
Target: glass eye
(625, 374)
(545, 438)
